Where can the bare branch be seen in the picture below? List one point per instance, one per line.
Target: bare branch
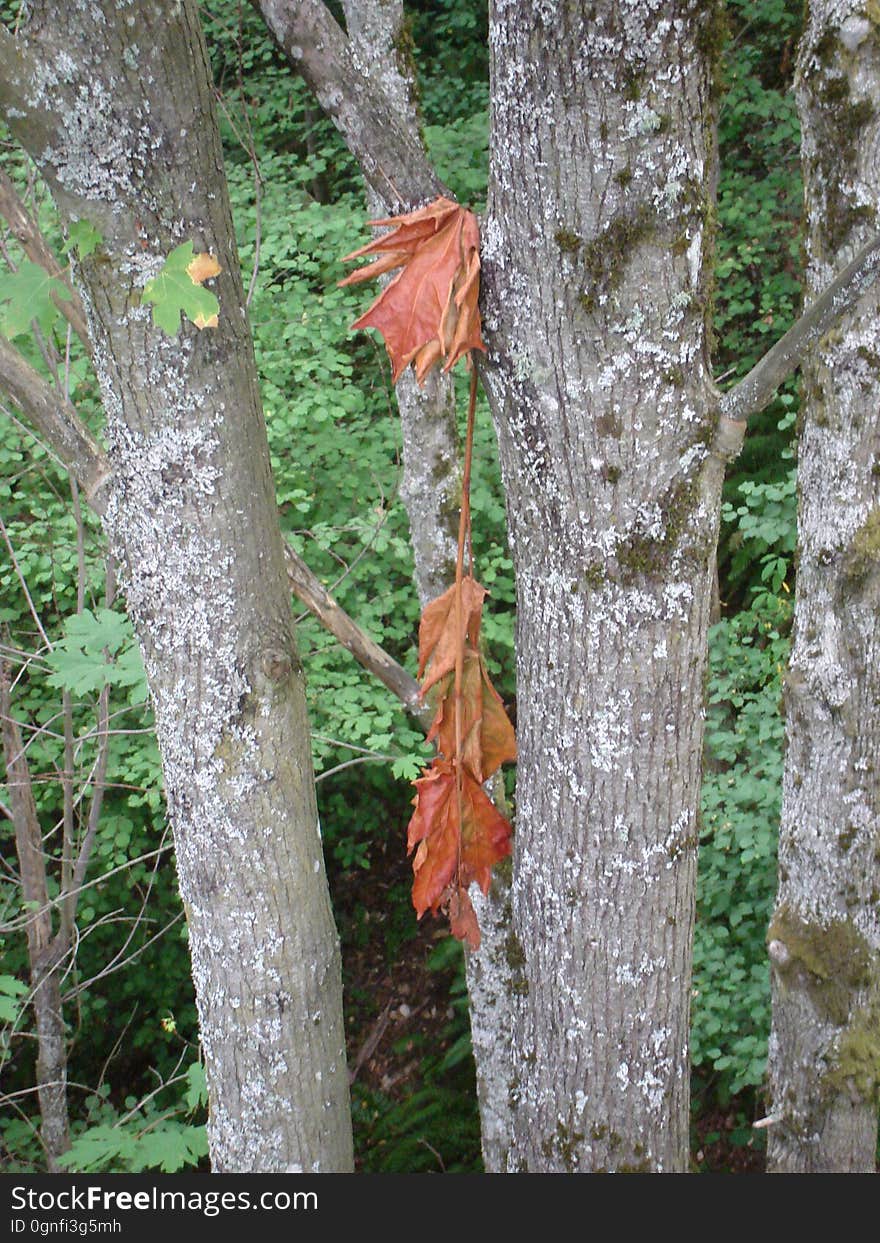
(307, 588)
(23, 921)
(27, 232)
(57, 421)
(756, 389)
(392, 160)
(46, 995)
(98, 787)
(28, 834)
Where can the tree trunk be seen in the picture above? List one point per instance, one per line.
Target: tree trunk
(597, 255)
(118, 115)
(430, 488)
(45, 982)
(824, 940)
(431, 493)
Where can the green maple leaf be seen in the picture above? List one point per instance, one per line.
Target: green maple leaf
(169, 1147)
(173, 291)
(11, 988)
(83, 237)
(197, 1090)
(97, 650)
(25, 296)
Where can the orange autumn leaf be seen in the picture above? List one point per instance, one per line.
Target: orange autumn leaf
(487, 736)
(451, 840)
(202, 268)
(438, 636)
(430, 310)
(463, 919)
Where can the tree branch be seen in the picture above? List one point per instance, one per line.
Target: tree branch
(28, 834)
(23, 101)
(27, 232)
(756, 389)
(56, 421)
(392, 160)
(308, 588)
(76, 448)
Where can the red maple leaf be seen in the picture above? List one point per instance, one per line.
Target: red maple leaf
(487, 736)
(463, 918)
(430, 310)
(438, 637)
(456, 837)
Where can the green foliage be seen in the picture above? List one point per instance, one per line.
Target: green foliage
(173, 292)
(25, 296)
(434, 1128)
(758, 292)
(11, 993)
(460, 152)
(452, 57)
(146, 1137)
(737, 872)
(121, 920)
(762, 519)
(98, 649)
(169, 1147)
(760, 197)
(83, 237)
(197, 1087)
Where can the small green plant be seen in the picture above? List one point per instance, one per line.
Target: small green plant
(737, 871)
(146, 1136)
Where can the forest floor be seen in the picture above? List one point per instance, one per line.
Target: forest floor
(402, 1020)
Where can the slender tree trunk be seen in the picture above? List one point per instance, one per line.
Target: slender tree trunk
(431, 492)
(824, 940)
(45, 984)
(118, 114)
(596, 257)
(430, 487)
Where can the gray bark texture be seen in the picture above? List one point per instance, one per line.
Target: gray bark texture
(391, 156)
(596, 257)
(824, 940)
(114, 103)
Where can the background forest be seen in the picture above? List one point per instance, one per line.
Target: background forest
(137, 1089)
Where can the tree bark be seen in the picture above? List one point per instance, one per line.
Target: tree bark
(45, 983)
(391, 158)
(118, 115)
(824, 940)
(596, 258)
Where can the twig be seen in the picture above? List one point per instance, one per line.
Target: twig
(358, 759)
(371, 1044)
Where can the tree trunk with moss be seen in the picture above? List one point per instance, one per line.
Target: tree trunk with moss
(597, 254)
(115, 105)
(824, 940)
